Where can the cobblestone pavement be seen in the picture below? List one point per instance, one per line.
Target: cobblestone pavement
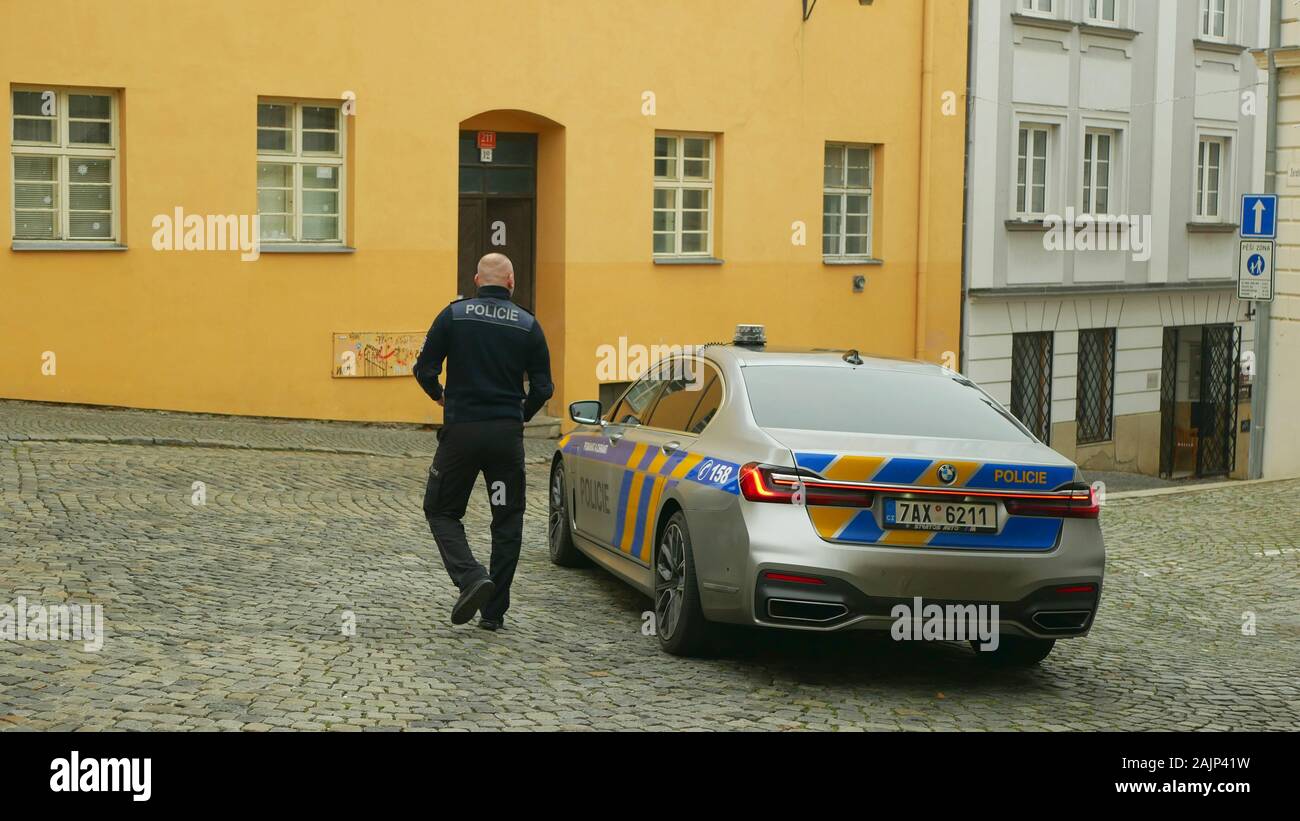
(229, 615)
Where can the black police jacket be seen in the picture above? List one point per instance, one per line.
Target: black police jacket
(490, 344)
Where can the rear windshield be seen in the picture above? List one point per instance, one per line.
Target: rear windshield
(866, 400)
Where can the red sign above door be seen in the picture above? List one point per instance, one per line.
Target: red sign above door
(487, 139)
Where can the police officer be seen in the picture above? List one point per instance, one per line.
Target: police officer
(489, 343)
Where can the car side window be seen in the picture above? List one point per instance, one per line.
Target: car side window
(638, 400)
(684, 385)
(708, 405)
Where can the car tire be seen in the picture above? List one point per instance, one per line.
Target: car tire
(1014, 651)
(679, 619)
(559, 535)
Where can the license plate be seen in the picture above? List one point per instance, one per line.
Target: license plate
(963, 517)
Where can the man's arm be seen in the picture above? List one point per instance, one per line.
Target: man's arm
(540, 387)
(428, 365)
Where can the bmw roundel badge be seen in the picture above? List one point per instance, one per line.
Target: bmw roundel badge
(947, 474)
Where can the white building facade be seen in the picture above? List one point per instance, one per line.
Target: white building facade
(1110, 143)
(1281, 457)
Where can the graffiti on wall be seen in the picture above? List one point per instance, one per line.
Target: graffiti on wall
(376, 353)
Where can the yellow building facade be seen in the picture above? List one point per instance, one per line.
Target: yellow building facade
(659, 172)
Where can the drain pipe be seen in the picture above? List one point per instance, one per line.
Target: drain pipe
(921, 320)
(1259, 391)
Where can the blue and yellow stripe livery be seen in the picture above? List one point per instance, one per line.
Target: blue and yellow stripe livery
(859, 526)
(647, 472)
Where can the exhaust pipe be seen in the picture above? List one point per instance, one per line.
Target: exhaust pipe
(1062, 619)
(809, 611)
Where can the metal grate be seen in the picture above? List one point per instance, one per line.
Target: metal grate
(1031, 382)
(1168, 384)
(1221, 352)
(1095, 396)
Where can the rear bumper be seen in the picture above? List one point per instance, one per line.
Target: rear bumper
(864, 583)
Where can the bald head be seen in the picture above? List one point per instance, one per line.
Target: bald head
(495, 269)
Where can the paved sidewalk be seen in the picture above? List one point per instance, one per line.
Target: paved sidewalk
(41, 422)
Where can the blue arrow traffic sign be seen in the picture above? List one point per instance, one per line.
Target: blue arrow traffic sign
(1258, 216)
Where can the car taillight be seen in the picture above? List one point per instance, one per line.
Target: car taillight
(1080, 504)
(768, 483)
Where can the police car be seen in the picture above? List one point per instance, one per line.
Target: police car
(819, 490)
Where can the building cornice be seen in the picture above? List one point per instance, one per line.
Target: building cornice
(1283, 57)
(1040, 291)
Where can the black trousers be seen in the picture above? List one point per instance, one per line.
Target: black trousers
(494, 448)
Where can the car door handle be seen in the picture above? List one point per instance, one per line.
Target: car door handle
(670, 447)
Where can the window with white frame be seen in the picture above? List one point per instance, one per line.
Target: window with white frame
(64, 165)
(1042, 7)
(1098, 167)
(1033, 144)
(1104, 12)
(300, 159)
(1214, 19)
(683, 195)
(846, 201)
(1211, 179)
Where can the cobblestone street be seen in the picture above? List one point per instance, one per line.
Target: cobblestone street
(230, 614)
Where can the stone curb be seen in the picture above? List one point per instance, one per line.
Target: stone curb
(1169, 491)
(166, 441)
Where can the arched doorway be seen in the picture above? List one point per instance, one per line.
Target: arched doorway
(511, 199)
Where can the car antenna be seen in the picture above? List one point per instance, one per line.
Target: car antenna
(852, 357)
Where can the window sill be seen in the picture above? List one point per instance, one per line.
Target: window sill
(1212, 227)
(852, 261)
(1108, 30)
(1027, 225)
(1221, 46)
(304, 248)
(687, 261)
(64, 245)
(1041, 21)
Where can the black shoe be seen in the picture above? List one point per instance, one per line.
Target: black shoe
(471, 599)
(488, 624)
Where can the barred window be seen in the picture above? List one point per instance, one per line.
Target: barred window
(1031, 382)
(1095, 396)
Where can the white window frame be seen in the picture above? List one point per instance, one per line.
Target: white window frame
(1207, 10)
(1038, 8)
(1091, 160)
(679, 183)
(1094, 12)
(65, 151)
(844, 191)
(1226, 192)
(1051, 130)
(1117, 194)
(298, 158)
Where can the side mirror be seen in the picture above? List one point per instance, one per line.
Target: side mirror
(586, 412)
